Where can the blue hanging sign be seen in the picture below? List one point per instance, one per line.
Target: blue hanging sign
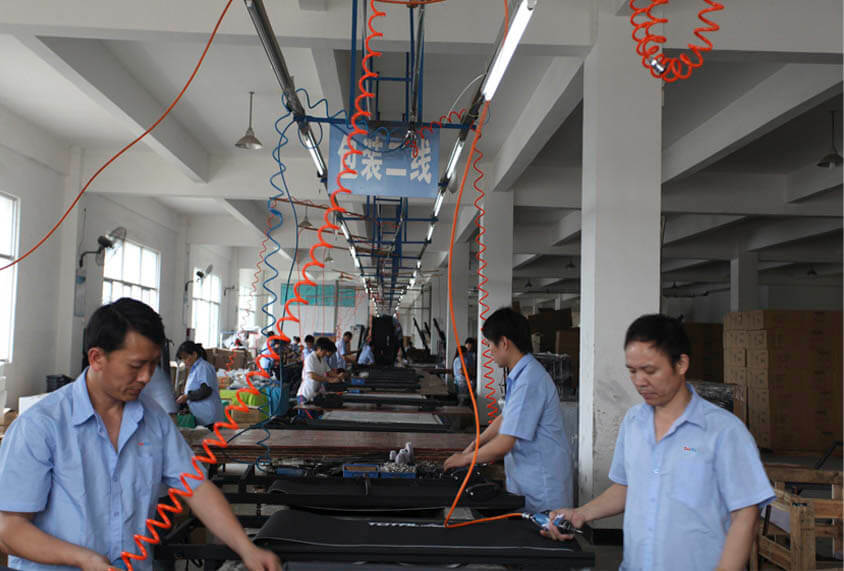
(390, 173)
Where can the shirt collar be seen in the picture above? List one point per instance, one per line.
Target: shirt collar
(83, 409)
(517, 370)
(195, 363)
(693, 412)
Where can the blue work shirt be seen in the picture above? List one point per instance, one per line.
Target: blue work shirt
(306, 351)
(366, 356)
(335, 361)
(539, 465)
(210, 409)
(58, 463)
(681, 490)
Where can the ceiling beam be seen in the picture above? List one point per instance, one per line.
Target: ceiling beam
(92, 68)
(771, 103)
(563, 29)
(810, 181)
(552, 102)
(778, 233)
(686, 226)
(248, 213)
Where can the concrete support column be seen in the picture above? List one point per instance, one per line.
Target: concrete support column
(72, 280)
(439, 302)
(498, 240)
(744, 282)
(460, 295)
(620, 238)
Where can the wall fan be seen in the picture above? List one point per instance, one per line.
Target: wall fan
(104, 243)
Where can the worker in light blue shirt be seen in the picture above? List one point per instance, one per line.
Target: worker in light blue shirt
(686, 473)
(80, 470)
(367, 357)
(202, 390)
(529, 434)
(267, 362)
(160, 390)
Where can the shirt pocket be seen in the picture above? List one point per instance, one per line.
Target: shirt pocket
(692, 481)
(148, 468)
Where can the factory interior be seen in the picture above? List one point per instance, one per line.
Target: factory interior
(391, 284)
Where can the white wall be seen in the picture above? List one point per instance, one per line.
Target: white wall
(40, 192)
(147, 223)
(225, 267)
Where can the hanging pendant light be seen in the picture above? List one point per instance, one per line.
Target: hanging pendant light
(249, 141)
(570, 265)
(832, 159)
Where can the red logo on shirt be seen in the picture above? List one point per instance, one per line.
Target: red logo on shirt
(140, 443)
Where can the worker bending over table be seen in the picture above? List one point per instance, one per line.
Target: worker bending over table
(317, 372)
(686, 473)
(202, 390)
(529, 434)
(80, 470)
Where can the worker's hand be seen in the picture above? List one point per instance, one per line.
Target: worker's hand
(182, 399)
(457, 460)
(256, 559)
(576, 518)
(470, 449)
(92, 561)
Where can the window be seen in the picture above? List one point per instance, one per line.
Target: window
(247, 301)
(207, 297)
(8, 278)
(131, 270)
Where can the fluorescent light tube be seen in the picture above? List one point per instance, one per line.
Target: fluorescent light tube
(507, 48)
(438, 203)
(451, 167)
(430, 232)
(313, 149)
(345, 230)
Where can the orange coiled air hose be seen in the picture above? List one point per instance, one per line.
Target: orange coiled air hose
(489, 395)
(649, 44)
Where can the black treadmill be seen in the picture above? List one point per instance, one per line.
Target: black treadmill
(301, 536)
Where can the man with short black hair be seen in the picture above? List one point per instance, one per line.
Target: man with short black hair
(686, 473)
(529, 434)
(309, 347)
(81, 469)
(316, 371)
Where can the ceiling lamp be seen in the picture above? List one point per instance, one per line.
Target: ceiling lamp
(832, 159)
(570, 265)
(249, 141)
(305, 223)
(812, 272)
(328, 258)
(528, 284)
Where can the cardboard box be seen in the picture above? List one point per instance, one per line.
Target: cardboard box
(733, 321)
(736, 339)
(740, 402)
(8, 416)
(735, 357)
(735, 375)
(793, 418)
(546, 323)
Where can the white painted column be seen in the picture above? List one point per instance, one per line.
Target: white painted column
(498, 240)
(68, 325)
(460, 295)
(744, 282)
(620, 238)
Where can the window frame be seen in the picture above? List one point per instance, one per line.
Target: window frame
(7, 353)
(208, 303)
(125, 282)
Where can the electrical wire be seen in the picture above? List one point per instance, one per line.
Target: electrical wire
(649, 44)
(127, 147)
(472, 151)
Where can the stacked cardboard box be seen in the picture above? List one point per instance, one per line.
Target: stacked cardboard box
(567, 342)
(793, 373)
(707, 359)
(546, 323)
(220, 358)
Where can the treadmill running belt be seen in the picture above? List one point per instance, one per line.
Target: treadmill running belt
(297, 535)
(363, 494)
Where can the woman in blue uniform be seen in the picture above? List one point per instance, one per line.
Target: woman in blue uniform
(202, 392)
